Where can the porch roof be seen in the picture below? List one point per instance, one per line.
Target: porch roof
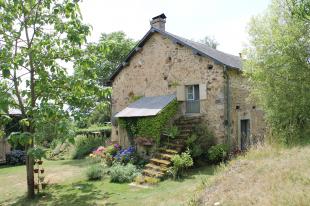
(146, 106)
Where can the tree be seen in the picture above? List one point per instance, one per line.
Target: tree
(209, 41)
(101, 59)
(299, 8)
(36, 37)
(279, 69)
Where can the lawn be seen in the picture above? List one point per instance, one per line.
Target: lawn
(71, 188)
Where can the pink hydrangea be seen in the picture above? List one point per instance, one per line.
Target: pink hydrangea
(100, 149)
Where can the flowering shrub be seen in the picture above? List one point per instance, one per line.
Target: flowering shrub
(114, 153)
(106, 153)
(125, 155)
(16, 157)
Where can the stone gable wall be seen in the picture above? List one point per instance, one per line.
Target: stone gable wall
(158, 68)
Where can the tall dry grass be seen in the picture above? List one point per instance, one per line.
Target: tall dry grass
(266, 175)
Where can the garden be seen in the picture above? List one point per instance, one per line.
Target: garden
(90, 169)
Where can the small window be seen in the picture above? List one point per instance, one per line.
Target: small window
(192, 92)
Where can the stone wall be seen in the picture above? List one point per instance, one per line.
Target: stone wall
(242, 107)
(157, 69)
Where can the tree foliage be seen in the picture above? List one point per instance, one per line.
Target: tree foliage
(279, 70)
(209, 41)
(37, 37)
(98, 63)
(103, 57)
(299, 8)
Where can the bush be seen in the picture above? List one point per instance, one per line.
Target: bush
(217, 153)
(146, 180)
(59, 150)
(16, 157)
(200, 141)
(85, 145)
(125, 155)
(95, 172)
(123, 173)
(180, 163)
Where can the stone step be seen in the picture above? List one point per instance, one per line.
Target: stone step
(183, 136)
(182, 121)
(168, 151)
(165, 156)
(185, 126)
(151, 166)
(160, 162)
(182, 131)
(177, 147)
(153, 173)
(178, 141)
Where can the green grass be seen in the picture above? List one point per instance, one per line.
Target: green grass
(14, 177)
(71, 187)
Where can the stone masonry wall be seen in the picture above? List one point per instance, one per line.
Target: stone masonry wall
(157, 69)
(247, 109)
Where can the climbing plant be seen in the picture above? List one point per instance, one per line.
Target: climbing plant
(150, 127)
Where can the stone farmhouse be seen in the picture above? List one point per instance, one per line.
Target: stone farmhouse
(208, 84)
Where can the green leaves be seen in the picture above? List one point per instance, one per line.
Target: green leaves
(278, 70)
(22, 138)
(4, 119)
(37, 153)
(150, 127)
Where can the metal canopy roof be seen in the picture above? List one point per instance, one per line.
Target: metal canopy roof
(146, 106)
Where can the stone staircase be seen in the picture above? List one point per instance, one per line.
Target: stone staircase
(159, 164)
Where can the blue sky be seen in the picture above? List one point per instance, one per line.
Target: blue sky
(225, 20)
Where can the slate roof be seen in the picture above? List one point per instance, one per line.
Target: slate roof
(219, 57)
(146, 106)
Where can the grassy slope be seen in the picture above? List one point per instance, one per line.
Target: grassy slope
(265, 176)
(71, 188)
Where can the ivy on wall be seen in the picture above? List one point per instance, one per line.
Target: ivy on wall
(150, 127)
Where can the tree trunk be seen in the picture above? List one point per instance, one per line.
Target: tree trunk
(30, 174)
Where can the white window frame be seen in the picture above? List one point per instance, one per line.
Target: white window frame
(194, 94)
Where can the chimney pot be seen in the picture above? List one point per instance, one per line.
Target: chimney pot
(159, 22)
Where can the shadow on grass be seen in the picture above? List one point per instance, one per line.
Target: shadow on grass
(74, 194)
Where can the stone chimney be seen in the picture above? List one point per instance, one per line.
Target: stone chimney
(159, 22)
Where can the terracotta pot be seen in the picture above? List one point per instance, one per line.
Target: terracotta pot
(40, 162)
(36, 170)
(42, 171)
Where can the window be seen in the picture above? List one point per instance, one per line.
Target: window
(192, 99)
(192, 92)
